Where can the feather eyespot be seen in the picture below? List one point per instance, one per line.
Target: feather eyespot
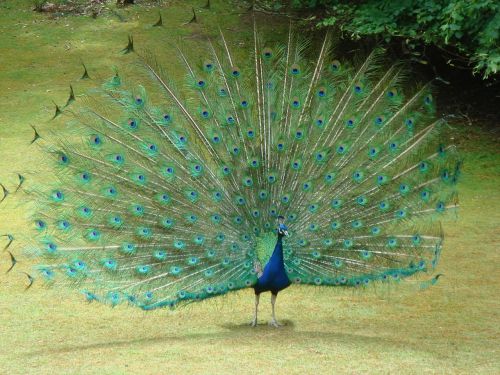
(132, 124)
(267, 53)
(335, 66)
(95, 140)
(295, 69)
(235, 72)
(392, 93)
(379, 120)
(208, 66)
(222, 91)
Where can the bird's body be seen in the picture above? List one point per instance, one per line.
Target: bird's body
(160, 202)
(274, 277)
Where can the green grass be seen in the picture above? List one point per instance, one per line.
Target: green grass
(453, 327)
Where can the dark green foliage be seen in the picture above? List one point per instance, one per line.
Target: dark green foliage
(467, 31)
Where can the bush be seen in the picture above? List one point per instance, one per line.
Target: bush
(467, 28)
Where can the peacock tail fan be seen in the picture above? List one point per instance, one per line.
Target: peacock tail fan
(160, 200)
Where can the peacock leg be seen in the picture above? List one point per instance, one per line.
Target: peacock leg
(253, 323)
(273, 321)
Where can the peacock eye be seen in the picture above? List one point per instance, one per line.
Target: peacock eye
(235, 72)
(335, 66)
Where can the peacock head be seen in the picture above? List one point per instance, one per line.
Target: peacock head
(281, 219)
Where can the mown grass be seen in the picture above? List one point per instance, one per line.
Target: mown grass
(452, 327)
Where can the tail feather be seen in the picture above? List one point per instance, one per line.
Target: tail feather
(160, 204)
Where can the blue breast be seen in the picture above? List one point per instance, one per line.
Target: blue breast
(274, 277)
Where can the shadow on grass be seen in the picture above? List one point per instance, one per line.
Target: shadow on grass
(287, 325)
(273, 336)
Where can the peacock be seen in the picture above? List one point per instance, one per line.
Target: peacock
(276, 170)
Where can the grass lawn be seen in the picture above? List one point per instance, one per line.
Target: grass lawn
(451, 328)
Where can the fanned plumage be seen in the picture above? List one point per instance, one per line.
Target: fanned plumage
(164, 200)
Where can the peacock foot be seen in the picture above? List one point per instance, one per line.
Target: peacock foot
(274, 323)
(253, 323)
